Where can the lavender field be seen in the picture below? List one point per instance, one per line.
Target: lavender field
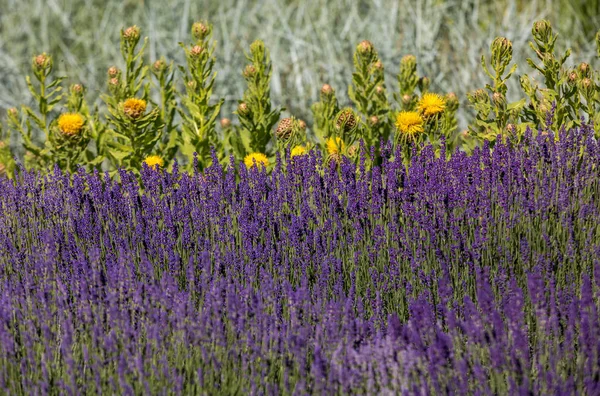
(299, 198)
(475, 275)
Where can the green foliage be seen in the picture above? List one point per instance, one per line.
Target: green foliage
(368, 94)
(567, 94)
(255, 112)
(197, 113)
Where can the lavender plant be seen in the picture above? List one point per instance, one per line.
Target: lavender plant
(473, 274)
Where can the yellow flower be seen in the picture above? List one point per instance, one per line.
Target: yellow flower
(431, 104)
(298, 150)
(409, 123)
(335, 146)
(134, 108)
(70, 124)
(260, 158)
(153, 161)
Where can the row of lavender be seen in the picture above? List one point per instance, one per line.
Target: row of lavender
(477, 274)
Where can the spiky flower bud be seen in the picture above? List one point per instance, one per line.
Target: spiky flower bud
(346, 119)
(542, 31)
(76, 89)
(200, 31)
(243, 109)
(379, 90)
(478, 96)
(465, 134)
(584, 69)
(586, 83)
(132, 34)
(159, 66)
(353, 150)
(285, 129)
(501, 54)
(13, 112)
(302, 125)
(406, 99)
(196, 51)
(452, 102)
(588, 88)
(374, 120)
(326, 90)
(378, 66)
(511, 128)
(225, 123)
(192, 85)
(42, 62)
(113, 72)
(573, 78)
(249, 71)
(498, 99)
(113, 82)
(408, 62)
(365, 48)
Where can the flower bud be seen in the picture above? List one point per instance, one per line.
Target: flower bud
(113, 72)
(42, 62)
(225, 123)
(113, 82)
(132, 34)
(243, 109)
(77, 89)
(374, 120)
(408, 61)
(192, 84)
(379, 90)
(465, 134)
(285, 129)
(249, 71)
(542, 31)
(584, 69)
(501, 53)
(573, 78)
(302, 125)
(586, 83)
(365, 48)
(378, 66)
(196, 51)
(498, 99)
(159, 66)
(326, 90)
(200, 31)
(478, 96)
(13, 112)
(511, 128)
(452, 101)
(353, 150)
(347, 119)
(406, 99)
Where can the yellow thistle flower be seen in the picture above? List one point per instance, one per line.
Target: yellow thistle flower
(70, 124)
(335, 146)
(297, 151)
(431, 104)
(409, 123)
(134, 108)
(260, 159)
(153, 161)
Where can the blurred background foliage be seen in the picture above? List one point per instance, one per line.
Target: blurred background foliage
(311, 41)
